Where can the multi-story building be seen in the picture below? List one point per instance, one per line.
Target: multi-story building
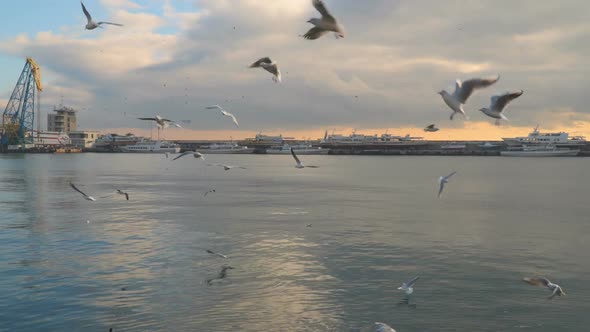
(83, 138)
(63, 120)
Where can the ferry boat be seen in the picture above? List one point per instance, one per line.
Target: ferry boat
(560, 139)
(149, 146)
(226, 148)
(540, 151)
(360, 139)
(298, 148)
(116, 140)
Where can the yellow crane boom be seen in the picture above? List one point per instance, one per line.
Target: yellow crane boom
(36, 73)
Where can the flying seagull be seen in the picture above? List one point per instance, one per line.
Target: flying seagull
(408, 286)
(323, 25)
(194, 153)
(86, 197)
(120, 192)
(226, 167)
(224, 112)
(270, 66)
(161, 122)
(208, 192)
(91, 25)
(215, 253)
(222, 274)
(544, 282)
(382, 327)
(431, 128)
(463, 90)
(299, 164)
(499, 103)
(442, 181)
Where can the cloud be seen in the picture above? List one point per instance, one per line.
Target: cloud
(384, 73)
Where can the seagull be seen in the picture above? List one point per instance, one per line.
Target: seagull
(161, 122)
(382, 327)
(442, 180)
(226, 167)
(196, 154)
(86, 197)
(463, 90)
(408, 286)
(207, 193)
(299, 164)
(498, 103)
(270, 66)
(323, 25)
(431, 128)
(222, 274)
(215, 253)
(224, 112)
(91, 25)
(167, 155)
(544, 282)
(120, 192)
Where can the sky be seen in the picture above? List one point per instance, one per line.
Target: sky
(175, 57)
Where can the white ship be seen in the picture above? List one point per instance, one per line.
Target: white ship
(148, 146)
(384, 139)
(226, 148)
(559, 139)
(116, 140)
(298, 148)
(540, 151)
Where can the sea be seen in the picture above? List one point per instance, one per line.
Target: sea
(320, 249)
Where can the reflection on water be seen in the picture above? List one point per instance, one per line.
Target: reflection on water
(141, 265)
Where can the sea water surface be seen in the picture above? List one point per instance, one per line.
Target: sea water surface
(67, 264)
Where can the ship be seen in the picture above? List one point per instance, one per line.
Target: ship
(540, 151)
(383, 139)
(559, 139)
(298, 148)
(149, 146)
(113, 140)
(226, 148)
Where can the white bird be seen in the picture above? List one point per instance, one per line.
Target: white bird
(86, 197)
(408, 286)
(161, 122)
(91, 25)
(120, 192)
(431, 128)
(270, 66)
(324, 24)
(463, 90)
(299, 164)
(382, 327)
(544, 282)
(442, 181)
(196, 154)
(224, 112)
(498, 104)
(226, 167)
(215, 253)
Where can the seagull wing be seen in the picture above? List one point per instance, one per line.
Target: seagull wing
(315, 33)
(411, 282)
(465, 89)
(233, 118)
(319, 5)
(260, 61)
(126, 196)
(214, 107)
(500, 102)
(88, 17)
(273, 69)
(183, 154)
(382, 327)
(312, 166)
(554, 293)
(78, 190)
(110, 23)
(441, 185)
(431, 126)
(449, 176)
(295, 157)
(537, 281)
(149, 119)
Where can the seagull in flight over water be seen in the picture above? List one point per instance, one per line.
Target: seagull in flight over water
(224, 112)
(196, 154)
(382, 327)
(299, 164)
(222, 274)
(324, 24)
(544, 282)
(270, 66)
(226, 167)
(463, 90)
(91, 25)
(161, 122)
(442, 181)
(215, 253)
(408, 286)
(120, 192)
(498, 103)
(431, 128)
(86, 197)
(208, 192)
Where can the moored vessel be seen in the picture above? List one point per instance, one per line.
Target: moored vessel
(540, 151)
(149, 146)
